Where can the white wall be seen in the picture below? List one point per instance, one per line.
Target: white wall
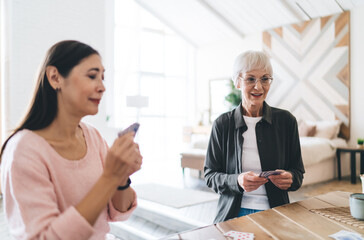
(357, 73)
(1, 63)
(215, 61)
(357, 81)
(32, 27)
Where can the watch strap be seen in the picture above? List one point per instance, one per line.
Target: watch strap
(125, 186)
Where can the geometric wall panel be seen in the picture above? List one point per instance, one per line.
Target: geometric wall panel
(311, 69)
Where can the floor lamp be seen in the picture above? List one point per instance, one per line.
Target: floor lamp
(138, 102)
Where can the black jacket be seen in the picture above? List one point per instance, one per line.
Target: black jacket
(278, 146)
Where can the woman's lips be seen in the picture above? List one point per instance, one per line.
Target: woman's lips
(96, 101)
(257, 94)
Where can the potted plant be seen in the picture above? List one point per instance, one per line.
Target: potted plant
(234, 97)
(360, 142)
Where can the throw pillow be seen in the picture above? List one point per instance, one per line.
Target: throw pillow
(327, 129)
(305, 129)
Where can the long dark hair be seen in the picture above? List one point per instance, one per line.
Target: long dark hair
(64, 55)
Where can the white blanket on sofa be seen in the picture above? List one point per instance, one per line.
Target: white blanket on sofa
(315, 150)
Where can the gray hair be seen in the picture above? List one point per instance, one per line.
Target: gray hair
(251, 60)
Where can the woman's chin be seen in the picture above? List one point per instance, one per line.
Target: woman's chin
(256, 102)
(93, 112)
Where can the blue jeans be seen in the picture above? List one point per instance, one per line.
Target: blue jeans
(247, 211)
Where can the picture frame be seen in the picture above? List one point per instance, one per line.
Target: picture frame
(219, 88)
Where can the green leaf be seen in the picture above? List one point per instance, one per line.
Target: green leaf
(234, 97)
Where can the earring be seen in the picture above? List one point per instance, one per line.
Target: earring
(58, 89)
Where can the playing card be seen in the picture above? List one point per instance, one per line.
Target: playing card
(134, 127)
(239, 235)
(346, 235)
(266, 174)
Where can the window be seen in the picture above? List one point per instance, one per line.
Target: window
(152, 61)
(1, 71)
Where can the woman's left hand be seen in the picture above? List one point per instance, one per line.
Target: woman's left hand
(283, 180)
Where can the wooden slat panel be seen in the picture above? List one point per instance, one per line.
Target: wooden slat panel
(298, 46)
(243, 224)
(340, 23)
(279, 31)
(267, 39)
(280, 227)
(344, 109)
(345, 41)
(344, 75)
(311, 220)
(300, 27)
(203, 233)
(324, 20)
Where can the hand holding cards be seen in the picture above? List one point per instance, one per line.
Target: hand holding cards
(132, 128)
(123, 158)
(266, 174)
(280, 178)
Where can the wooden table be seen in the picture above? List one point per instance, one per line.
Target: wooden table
(353, 151)
(291, 221)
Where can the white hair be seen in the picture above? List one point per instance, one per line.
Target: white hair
(249, 61)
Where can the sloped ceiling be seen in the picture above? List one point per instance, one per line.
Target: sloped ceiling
(201, 22)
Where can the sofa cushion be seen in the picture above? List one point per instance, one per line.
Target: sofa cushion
(306, 130)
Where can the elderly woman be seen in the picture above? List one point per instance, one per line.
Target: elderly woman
(250, 139)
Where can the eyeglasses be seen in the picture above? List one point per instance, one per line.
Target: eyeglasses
(251, 81)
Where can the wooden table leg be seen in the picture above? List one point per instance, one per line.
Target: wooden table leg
(338, 164)
(353, 167)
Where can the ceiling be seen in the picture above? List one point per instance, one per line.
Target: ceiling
(202, 22)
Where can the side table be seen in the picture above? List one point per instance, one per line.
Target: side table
(353, 151)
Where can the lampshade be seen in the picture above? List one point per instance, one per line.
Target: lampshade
(137, 101)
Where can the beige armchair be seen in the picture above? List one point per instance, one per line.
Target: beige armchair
(194, 159)
(194, 155)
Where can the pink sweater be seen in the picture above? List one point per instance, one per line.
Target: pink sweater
(41, 188)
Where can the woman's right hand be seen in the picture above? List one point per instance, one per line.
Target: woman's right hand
(250, 181)
(123, 159)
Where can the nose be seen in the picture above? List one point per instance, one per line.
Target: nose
(101, 87)
(258, 84)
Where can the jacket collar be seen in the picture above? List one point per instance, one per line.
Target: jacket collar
(239, 120)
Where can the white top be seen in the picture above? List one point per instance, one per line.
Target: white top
(256, 199)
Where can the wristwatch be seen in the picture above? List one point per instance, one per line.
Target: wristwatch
(125, 186)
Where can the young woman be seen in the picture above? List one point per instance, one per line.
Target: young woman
(60, 180)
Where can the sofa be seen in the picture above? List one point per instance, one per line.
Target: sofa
(319, 141)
